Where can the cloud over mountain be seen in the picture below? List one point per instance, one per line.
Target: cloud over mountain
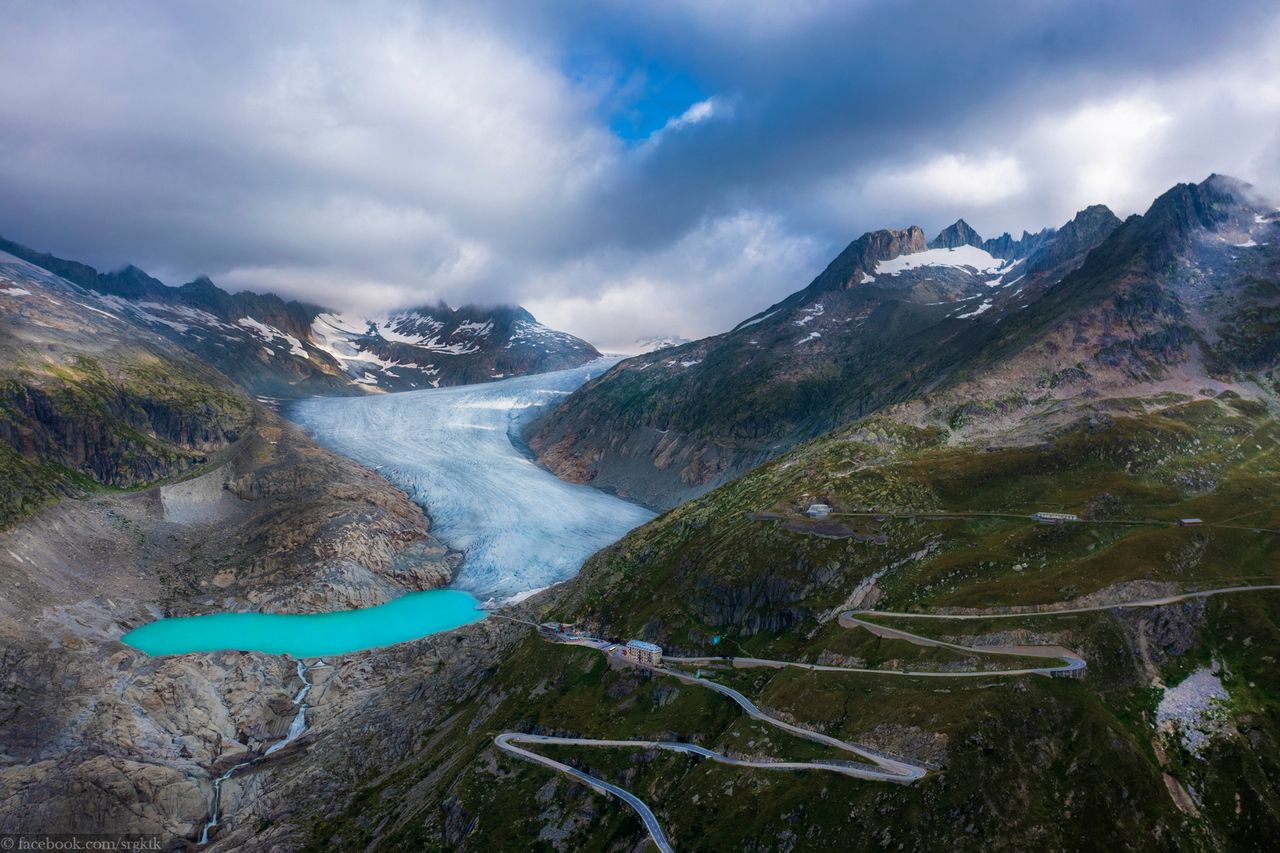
(626, 170)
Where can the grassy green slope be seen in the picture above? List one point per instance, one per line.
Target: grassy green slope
(119, 420)
(710, 567)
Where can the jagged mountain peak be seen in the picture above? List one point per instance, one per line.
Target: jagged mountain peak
(1185, 212)
(959, 233)
(439, 310)
(1006, 247)
(1204, 204)
(131, 282)
(1090, 225)
(502, 317)
(442, 310)
(1086, 229)
(1094, 211)
(1228, 186)
(1093, 214)
(862, 255)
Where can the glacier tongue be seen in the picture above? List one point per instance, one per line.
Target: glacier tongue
(452, 451)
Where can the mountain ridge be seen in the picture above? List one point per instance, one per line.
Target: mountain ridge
(285, 348)
(890, 320)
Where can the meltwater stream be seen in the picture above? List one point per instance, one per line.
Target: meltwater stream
(454, 451)
(296, 728)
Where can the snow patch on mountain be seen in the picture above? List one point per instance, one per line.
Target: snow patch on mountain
(271, 333)
(808, 315)
(342, 334)
(760, 319)
(392, 328)
(183, 319)
(645, 345)
(534, 333)
(337, 335)
(961, 257)
(986, 304)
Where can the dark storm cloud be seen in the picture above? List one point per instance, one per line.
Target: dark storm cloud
(624, 169)
(877, 84)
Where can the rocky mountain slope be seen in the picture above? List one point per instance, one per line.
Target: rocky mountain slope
(88, 399)
(140, 483)
(98, 737)
(1177, 295)
(276, 348)
(1180, 299)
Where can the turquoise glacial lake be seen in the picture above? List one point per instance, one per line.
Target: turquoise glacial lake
(311, 635)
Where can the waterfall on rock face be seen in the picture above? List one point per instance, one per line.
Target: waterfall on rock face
(296, 728)
(217, 801)
(299, 723)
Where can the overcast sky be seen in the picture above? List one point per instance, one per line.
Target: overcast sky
(622, 169)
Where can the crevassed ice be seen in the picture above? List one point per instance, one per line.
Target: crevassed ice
(451, 450)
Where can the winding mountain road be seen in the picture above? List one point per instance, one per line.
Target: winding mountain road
(1093, 608)
(882, 768)
(507, 742)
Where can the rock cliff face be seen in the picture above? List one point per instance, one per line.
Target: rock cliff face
(1072, 241)
(97, 736)
(87, 398)
(860, 257)
(960, 233)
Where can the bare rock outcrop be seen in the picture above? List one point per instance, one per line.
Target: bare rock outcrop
(98, 737)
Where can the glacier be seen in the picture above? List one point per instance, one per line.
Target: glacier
(457, 452)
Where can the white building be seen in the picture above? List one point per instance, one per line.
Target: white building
(646, 654)
(818, 510)
(1055, 517)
